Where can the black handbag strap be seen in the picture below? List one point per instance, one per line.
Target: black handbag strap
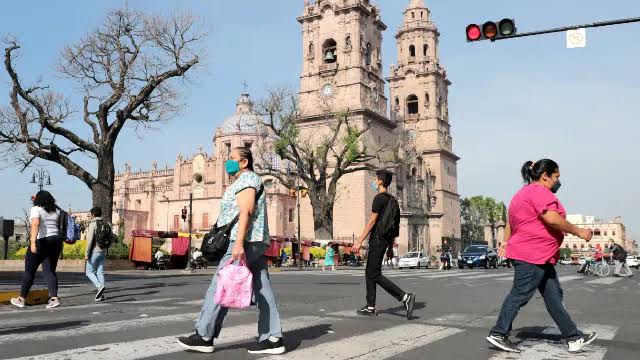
(230, 225)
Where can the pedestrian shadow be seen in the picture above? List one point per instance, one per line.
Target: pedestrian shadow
(44, 327)
(536, 333)
(401, 311)
(293, 339)
(128, 297)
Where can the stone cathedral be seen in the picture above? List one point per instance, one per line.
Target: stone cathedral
(341, 65)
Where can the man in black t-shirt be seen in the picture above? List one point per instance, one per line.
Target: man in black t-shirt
(378, 245)
(620, 257)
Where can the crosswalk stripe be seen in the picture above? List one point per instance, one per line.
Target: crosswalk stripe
(465, 320)
(538, 350)
(140, 349)
(150, 301)
(381, 344)
(567, 278)
(104, 327)
(605, 280)
(471, 277)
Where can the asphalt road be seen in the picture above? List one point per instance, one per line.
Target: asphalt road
(145, 311)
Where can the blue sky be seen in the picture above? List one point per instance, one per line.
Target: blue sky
(510, 101)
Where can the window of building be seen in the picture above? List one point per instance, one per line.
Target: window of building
(613, 233)
(18, 238)
(397, 102)
(566, 246)
(426, 100)
(290, 215)
(412, 104)
(413, 15)
(581, 246)
(247, 144)
(421, 14)
(425, 47)
(412, 50)
(205, 220)
(329, 51)
(596, 232)
(227, 147)
(176, 222)
(605, 233)
(575, 246)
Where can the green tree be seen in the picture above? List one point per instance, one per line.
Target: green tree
(476, 212)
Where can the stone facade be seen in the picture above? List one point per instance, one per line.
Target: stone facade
(603, 231)
(342, 70)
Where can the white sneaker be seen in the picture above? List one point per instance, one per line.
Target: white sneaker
(53, 303)
(19, 302)
(586, 339)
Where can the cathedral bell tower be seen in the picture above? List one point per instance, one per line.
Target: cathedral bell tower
(419, 98)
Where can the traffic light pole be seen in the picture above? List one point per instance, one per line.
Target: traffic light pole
(573, 27)
(189, 267)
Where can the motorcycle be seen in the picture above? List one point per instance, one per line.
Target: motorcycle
(445, 261)
(199, 263)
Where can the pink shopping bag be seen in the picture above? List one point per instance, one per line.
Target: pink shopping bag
(234, 286)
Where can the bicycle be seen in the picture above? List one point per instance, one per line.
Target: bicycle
(600, 268)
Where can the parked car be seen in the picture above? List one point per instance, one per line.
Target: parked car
(632, 261)
(565, 262)
(478, 255)
(414, 259)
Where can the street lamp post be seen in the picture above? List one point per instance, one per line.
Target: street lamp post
(38, 178)
(190, 229)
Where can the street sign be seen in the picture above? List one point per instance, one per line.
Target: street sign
(576, 38)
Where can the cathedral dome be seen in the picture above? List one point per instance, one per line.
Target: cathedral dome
(245, 120)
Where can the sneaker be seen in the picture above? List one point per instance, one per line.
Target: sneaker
(268, 347)
(196, 343)
(100, 292)
(586, 339)
(101, 298)
(408, 304)
(368, 311)
(19, 302)
(503, 343)
(53, 303)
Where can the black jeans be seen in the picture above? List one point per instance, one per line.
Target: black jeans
(526, 280)
(47, 253)
(373, 272)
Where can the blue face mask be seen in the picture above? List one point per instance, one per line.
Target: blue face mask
(232, 167)
(374, 186)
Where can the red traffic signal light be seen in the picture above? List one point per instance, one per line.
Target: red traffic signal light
(473, 32)
(491, 30)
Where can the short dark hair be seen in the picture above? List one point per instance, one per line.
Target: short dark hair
(96, 211)
(384, 176)
(533, 171)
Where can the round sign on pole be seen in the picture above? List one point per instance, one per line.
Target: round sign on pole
(576, 38)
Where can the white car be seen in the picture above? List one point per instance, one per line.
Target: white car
(565, 262)
(632, 261)
(414, 259)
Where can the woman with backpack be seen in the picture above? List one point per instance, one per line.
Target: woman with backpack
(44, 248)
(244, 208)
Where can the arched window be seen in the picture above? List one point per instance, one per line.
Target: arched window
(596, 232)
(367, 54)
(426, 100)
(329, 53)
(412, 51)
(413, 15)
(347, 42)
(397, 102)
(414, 172)
(425, 47)
(412, 104)
(421, 14)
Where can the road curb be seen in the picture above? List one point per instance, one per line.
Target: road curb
(36, 297)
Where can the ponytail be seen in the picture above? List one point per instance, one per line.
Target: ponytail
(531, 171)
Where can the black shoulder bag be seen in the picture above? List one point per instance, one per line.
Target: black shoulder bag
(216, 242)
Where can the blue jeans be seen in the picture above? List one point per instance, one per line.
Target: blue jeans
(95, 268)
(526, 280)
(212, 316)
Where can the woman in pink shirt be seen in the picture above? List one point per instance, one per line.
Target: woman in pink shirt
(533, 236)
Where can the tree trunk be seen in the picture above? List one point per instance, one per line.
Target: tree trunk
(322, 213)
(102, 189)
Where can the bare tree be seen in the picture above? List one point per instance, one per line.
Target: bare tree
(126, 70)
(26, 219)
(320, 159)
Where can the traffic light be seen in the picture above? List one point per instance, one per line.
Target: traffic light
(491, 30)
(184, 214)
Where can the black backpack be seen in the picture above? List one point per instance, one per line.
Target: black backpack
(389, 222)
(104, 234)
